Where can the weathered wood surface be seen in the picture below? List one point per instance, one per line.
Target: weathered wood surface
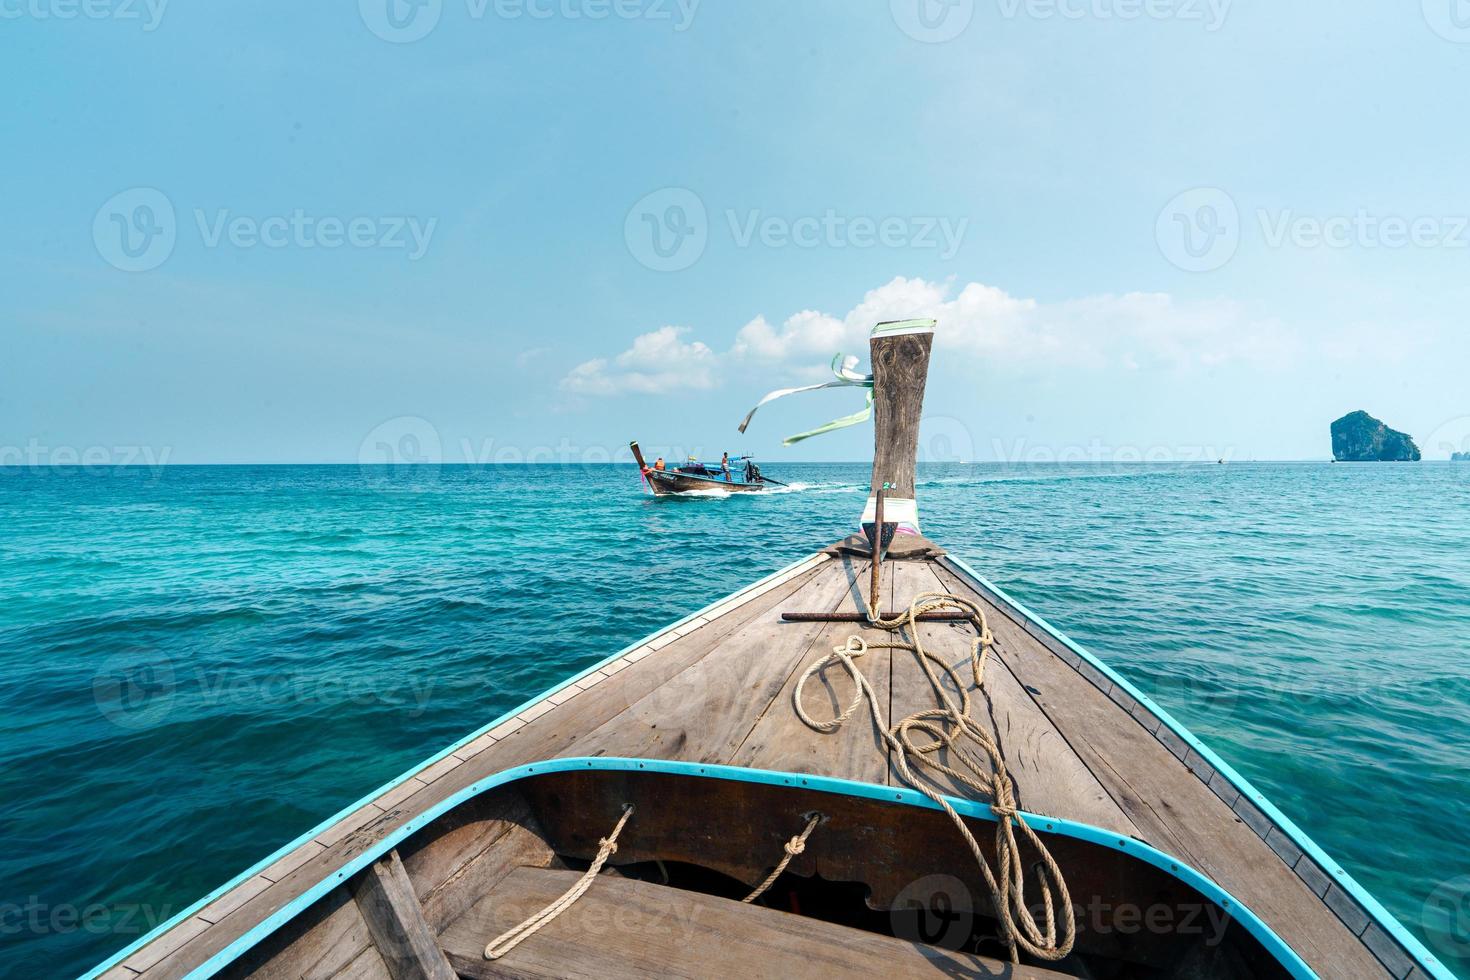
(1170, 807)
(395, 921)
(705, 712)
(623, 929)
(900, 367)
(1048, 776)
(719, 690)
(551, 733)
(334, 943)
(451, 870)
(780, 740)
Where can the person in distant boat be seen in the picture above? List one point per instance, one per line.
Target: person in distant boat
(725, 466)
(658, 464)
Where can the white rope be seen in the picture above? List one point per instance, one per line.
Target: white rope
(512, 937)
(793, 847)
(947, 725)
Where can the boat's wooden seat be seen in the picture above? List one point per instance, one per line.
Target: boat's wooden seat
(622, 928)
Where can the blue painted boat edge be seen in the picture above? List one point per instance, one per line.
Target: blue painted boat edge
(826, 784)
(392, 784)
(1425, 959)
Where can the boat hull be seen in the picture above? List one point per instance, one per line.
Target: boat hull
(670, 482)
(656, 700)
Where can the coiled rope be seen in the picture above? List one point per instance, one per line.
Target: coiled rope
(949, 726)
(511, 938)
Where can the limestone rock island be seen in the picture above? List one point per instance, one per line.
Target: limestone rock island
(1360, 438)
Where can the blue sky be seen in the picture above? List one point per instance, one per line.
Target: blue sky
(272, 232)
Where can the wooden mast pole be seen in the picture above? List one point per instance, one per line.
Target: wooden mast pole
(900, 357)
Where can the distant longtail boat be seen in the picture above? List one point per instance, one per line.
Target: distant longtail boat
(872, 762)
(697, 478)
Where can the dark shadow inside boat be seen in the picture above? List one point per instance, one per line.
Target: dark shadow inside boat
(880, 886)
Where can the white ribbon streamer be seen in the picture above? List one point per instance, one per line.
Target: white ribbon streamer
(843, 367)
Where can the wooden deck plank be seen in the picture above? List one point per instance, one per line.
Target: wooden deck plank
(623, 929)
(1172, 809)
(1048, 775)
(335, 945)
(705, 712)
(781, 740)
(176, 952)
(386, 899)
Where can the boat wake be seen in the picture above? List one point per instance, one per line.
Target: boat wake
(711, 494)
(789, 488)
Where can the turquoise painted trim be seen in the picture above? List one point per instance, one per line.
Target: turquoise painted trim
(281, 852)
(825, 784)
(1386, 920)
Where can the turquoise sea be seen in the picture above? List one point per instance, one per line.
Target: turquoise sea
(295, 636)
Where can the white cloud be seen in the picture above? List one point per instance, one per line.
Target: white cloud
(1125, 332)
(1107, 331)
(658, 361)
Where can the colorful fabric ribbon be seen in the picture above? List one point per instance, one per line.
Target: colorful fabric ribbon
(843, 367)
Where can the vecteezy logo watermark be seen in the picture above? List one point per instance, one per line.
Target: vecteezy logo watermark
(667, 230)
(400, 21)
(137, 229)
(1451, 440)
(932, 21)
(945, 439)
(1197, 695)
(148, 13)
(1450, 19)
(1199, 230)
(937, 910)
(1446, 918)
(405, 444)
(135, 688)
(403, 21)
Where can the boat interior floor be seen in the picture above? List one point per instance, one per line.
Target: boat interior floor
(625, 929)
(879, 888)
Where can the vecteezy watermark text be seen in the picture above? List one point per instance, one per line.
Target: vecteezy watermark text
(1210, 13)
(148, 13)
(1362, 229)
(138, 689)
(937, 21)
(669, 229)
(93, 460)
(137, 229)
(832, 230)
(301, 230)
(1201, 229)
(1022, 451)
(405, 21)
(41, 918)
